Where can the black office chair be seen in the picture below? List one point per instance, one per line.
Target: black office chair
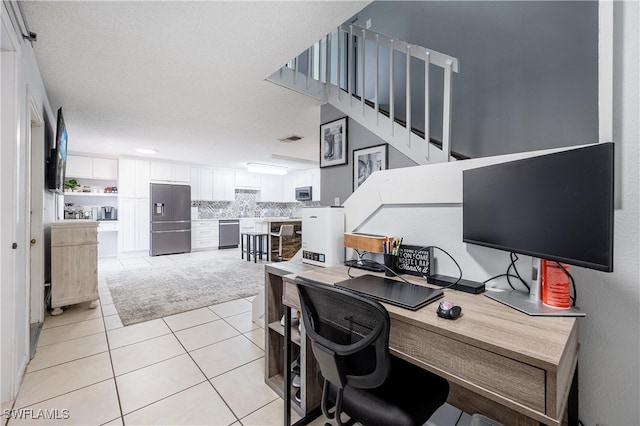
(350, 337)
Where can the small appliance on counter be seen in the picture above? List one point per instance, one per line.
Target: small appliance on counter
(108, 213)
(322, 236)
(72, 211)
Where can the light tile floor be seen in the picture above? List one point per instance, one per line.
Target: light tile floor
(202, 367)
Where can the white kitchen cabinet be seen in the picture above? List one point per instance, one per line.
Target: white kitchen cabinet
(91, 168)
(204, 235)
(315, 184)
(245, 180)
(202, 184)
(133, 216)
(134, 178)
(170, 172)
(79, 167)
(272, 189)
(289, 188)
(224, 185)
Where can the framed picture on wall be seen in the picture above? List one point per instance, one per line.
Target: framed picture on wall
(367, 161)
(333, 143)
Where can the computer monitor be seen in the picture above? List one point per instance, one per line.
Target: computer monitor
(556, 206)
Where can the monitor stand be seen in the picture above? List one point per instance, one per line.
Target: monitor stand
(521, 301)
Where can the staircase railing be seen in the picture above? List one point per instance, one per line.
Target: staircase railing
(387, 85)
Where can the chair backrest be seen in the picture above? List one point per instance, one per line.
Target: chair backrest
(286, 230)
(350, 334)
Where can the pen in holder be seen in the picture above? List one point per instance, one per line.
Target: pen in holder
(390, 263)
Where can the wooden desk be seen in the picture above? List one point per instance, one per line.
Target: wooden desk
(512, 367)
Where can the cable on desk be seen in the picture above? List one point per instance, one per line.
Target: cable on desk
(514, 258)
(498, 276)
(379, 264)
(454, 261)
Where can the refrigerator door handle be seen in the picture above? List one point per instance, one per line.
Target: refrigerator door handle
(173, 230)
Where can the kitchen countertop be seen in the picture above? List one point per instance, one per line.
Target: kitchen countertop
(257, 219)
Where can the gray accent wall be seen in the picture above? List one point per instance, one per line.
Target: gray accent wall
(528, 69)
(528, 76)
(337, 181)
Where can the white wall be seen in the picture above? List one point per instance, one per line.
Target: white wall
(609, 335)
(21, 86)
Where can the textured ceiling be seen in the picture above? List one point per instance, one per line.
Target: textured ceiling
(185, 78)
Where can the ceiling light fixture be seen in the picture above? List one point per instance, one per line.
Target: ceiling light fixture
(266, 168)
(146, 150)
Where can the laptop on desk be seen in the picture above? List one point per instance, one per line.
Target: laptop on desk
(398, 293)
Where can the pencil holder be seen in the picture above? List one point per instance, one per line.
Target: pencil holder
(390, 263)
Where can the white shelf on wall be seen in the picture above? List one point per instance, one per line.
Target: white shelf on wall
(91, 194)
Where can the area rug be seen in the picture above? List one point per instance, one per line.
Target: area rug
(153, 292)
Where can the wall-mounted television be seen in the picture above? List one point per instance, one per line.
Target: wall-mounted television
(57, 161)
(558, 206)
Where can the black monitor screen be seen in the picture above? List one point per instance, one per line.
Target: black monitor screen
(557, 206)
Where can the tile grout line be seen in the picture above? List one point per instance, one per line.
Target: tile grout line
(113, 371)
(204, 374)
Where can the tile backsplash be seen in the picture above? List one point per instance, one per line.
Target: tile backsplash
(246, 204)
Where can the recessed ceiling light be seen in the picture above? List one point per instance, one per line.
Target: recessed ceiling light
(146, 150)
(266, 168)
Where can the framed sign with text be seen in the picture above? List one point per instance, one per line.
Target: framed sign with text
(414, 260)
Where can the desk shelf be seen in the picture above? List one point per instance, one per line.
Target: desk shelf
(295, 334)
(310, 390)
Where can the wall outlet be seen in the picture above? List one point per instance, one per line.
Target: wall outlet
(368, 24)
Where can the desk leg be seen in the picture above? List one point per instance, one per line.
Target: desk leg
(287, 365)
(574, 415)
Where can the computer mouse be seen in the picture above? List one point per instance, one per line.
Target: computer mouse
(449, 310)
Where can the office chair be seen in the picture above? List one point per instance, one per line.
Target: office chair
(285, 231)
(350, 340)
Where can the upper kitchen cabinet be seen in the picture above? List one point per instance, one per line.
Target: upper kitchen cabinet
(246, 180)
(272, 189)
(310, 178)
(134, 178)
(212, 185)
(224, 185)
(91, 168)
(170, 172)
(201, 184)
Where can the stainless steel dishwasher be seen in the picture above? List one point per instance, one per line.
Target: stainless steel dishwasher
(229, 233)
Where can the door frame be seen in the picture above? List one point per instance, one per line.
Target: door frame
(34, 184)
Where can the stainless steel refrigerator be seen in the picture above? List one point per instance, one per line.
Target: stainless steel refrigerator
(170, 219)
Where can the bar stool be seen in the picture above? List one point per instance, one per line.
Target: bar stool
(260, 241)
(285, 231)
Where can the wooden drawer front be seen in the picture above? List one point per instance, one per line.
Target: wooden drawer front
(498, 374)
(73, 236)
(290, 296)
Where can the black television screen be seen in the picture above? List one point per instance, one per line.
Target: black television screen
(557, 206)
(57, 163)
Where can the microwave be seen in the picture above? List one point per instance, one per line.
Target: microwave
(303, 193)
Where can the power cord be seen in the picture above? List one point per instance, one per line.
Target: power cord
(514, 258)
(573, 284)
(454, 261)
(459, 417)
